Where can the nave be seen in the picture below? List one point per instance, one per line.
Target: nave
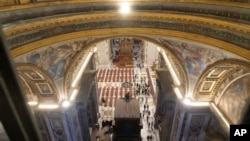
(113, 84)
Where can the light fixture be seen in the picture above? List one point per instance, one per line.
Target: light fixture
(178, 93)
(48, 106)
(32, 103)
(95, 49)
(187, 101)
(74, 94)
(158, 49)
(214, 107)
(65, 103)
(171, 69)
(83, 66)
(32, 100)
(125, 8)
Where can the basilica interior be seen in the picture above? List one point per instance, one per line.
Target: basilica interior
(123, 70)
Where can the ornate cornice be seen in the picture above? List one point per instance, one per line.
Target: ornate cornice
(226, 10)
(228, 32)
(140, 16)
(143, 32)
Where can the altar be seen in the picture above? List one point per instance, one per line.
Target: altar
(127, 120)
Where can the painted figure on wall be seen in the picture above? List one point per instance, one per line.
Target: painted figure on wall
(237, 94)
(56, 59)
(195, 58)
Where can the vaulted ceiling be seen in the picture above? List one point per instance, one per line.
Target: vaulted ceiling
(210, 25)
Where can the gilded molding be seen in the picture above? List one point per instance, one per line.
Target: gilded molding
(62, 21)
(37, 79)
(216, 77)
(143, 32)
(179, 70)
(238, 39)
(59, 3)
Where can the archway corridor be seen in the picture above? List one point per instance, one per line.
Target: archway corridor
(119, 78)
(165, 95)
(65, 64)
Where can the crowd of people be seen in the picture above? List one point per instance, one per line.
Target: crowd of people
(142, 91)
(142, 87)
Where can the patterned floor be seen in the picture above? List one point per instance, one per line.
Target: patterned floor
(110, 89)
(116, 75)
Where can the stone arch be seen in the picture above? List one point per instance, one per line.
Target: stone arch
(237, 93)
(78, 58)
(37, 84)
(211, 84)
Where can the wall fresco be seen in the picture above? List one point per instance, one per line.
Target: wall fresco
(237, 94)
(194, 57)
(54, 58)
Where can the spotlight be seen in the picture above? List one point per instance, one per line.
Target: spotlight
(125, 8)
(48, 106)
(65, 103)
(187, 101)
(32, 103)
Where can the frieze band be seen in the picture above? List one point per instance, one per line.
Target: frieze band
(227, 36)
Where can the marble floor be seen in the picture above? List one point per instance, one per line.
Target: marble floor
(107, 112)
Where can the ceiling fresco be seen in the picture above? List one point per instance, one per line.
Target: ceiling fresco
(237, 94)
(195, 57)
(55, 58)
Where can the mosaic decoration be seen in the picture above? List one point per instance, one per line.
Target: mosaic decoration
(237, 94)
(238, 14)
(194, 57)
(127, 84)
(224, 35)
(54, 59)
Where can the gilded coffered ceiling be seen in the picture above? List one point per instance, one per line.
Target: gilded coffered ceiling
(37, 84)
